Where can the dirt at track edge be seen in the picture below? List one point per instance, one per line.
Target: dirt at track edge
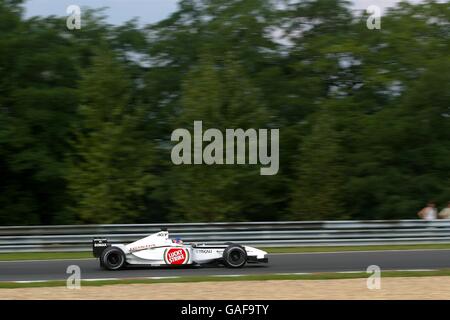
(391, 288)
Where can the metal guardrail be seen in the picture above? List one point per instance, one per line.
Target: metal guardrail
(263, 234)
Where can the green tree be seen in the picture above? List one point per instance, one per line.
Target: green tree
(111, 176)
(37, 106)
(219, 94)
(398, 155)
(318, 186)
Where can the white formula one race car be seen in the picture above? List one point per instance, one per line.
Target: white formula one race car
(158, 250)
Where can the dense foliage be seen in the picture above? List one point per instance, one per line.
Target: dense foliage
(86, 115)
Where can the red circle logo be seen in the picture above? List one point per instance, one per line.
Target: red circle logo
(176, 256)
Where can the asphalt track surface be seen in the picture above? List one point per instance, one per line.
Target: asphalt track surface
(278, 263)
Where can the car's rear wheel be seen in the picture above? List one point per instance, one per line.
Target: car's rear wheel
(112, 258)
(234, 256)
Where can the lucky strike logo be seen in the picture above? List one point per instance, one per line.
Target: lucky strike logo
(176, 256)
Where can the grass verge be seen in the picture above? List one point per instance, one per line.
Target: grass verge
(84, 255)
(44, 255)
(263, 277)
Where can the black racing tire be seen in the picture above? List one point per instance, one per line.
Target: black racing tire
(112, 258)
(234, 256)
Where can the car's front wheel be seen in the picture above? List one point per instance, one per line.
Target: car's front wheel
(234, 256)
(112, 258)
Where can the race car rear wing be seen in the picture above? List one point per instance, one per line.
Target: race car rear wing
(98, 246)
